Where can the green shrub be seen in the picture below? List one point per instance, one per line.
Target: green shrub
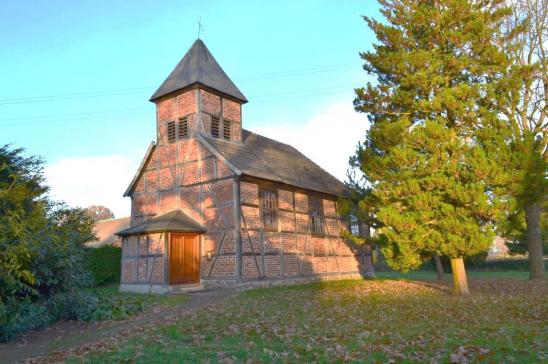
(504, 264)
(104, 264)
(20, 316)
(44, 267)
(485, 265)
(116, 307)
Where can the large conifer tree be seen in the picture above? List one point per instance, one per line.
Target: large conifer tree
(436, 66)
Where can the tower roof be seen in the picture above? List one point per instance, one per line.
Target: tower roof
(199, 67)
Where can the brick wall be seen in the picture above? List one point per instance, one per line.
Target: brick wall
(292, 251)
(143, 259)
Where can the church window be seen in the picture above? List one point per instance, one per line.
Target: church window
(316, 215)
(354, 225)
(268, 200)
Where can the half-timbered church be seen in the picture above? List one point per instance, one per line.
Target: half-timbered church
(215, 205)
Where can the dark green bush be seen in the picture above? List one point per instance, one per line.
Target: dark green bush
(104, 264)
(504, 264)
(20, 316)
(485, 265)
(43, 266)
(116, 307)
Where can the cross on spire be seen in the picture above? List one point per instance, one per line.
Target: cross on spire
(200, 27)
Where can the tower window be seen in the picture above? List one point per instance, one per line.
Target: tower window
(215, 126)
(171, 132)
(183, 128)
(269, 209)
(316, 215)
(227, 124)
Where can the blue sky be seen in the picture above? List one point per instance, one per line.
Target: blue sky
(76, 75)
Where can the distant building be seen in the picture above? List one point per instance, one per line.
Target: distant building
(498, 249)
(105, 231)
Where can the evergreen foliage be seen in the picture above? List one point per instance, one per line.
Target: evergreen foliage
(438, 70)
(43, 270)
(41, 241)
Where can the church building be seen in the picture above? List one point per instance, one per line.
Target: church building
(215, 205)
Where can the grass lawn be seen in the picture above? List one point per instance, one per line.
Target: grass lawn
(382, 320)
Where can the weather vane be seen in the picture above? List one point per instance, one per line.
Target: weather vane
(200, 27)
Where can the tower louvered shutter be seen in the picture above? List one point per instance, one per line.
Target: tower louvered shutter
(227, 125)
(171, 137)
(215, 126)
(183, 128)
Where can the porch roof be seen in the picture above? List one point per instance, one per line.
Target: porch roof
(175, 221)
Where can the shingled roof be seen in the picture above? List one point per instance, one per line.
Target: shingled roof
(174, 221)
(265, 158)
(199, 67)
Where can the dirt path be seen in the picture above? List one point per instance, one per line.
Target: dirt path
(70, 335)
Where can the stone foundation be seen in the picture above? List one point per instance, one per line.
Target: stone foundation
(144, 288)
(269, 282)
(233, 283)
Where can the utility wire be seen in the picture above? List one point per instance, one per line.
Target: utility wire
(129, 91)
(108, 114)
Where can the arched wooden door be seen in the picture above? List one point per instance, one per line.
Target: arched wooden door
(184, 259)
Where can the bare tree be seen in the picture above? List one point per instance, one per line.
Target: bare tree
(98, 212)
(527, 117)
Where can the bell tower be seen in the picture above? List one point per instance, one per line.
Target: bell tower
(198, 97)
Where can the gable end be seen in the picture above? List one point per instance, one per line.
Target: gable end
(140, 170)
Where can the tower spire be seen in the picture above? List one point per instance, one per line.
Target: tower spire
(198, 67)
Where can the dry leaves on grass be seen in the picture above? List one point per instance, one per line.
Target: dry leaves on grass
(384, 321)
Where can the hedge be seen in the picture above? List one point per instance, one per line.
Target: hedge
(519, 264)
(104, 264)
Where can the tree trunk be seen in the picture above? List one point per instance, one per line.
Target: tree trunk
(368, 261)
(439, 267)
(460, 283)
(367, 251)
(534, 241)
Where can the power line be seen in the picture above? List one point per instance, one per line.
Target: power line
(90, 117)
(41, 117)
(63, 118)
(299, 92)
(129, 91)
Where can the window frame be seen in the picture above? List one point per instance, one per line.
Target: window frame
(275, 210)
(316, 201)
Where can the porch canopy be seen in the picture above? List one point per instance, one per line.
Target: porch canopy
(175, 221)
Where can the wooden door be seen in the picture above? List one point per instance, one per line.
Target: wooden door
(184, 259)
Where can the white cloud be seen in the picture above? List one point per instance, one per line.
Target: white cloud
(93, 181)
(328, 138)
